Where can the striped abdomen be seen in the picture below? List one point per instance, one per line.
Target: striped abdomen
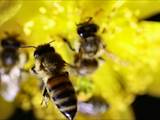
(63, 94)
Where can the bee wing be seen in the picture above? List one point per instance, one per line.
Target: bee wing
(23, 58)
(115, 58)
(10, 82)
(9, 86)
(112, 56)
(48, 63)
(94, 106)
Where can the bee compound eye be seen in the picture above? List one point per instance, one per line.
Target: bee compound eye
(80, 32)
(36, 55)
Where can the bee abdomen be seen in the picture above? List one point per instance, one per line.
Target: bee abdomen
(63, 94)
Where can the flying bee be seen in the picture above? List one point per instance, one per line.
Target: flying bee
(49, 66)
(12, 61)
(95, 106)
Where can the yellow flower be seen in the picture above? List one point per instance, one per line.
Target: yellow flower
(134, 43)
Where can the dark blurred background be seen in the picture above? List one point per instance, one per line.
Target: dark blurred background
(146, 108)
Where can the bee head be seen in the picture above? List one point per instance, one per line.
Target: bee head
(10, 42)
(42, 50)
(86, 29)
(9, 57)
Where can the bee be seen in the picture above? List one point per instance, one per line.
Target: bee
(89, 55)
(86, 60)
(95, 106)
(49, 66)
(12, 61)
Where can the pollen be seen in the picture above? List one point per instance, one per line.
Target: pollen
(42, 10)
(27, 27)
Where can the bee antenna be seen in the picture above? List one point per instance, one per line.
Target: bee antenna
(89, 19)
(51, 41)
(11, 35)
(28, 47)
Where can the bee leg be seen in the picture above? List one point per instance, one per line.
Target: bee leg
(33, 70)
(44, 102)
(70, 65)
(45, 98)
(114, 57)
(101, 58)
(68, 44)
(24, 70)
